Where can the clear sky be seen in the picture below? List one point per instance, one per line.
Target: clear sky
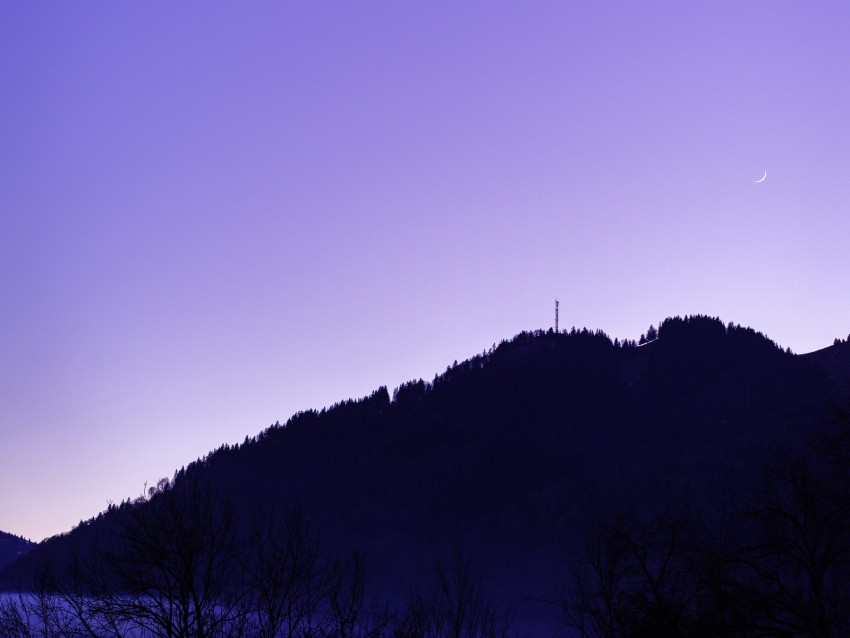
(215, 214)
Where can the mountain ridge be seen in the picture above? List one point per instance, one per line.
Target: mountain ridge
(514, 450)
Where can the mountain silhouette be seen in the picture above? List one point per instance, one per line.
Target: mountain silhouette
(515, 452)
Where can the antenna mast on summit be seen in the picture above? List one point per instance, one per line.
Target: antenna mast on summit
(556, 315)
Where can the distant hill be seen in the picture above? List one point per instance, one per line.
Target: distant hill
(12, 547)
(514, 452)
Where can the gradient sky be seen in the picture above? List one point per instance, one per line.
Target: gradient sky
(213, 215)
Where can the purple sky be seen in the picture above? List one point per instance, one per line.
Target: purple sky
(212, 217)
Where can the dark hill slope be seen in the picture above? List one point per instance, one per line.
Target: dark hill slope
(527, 438)
(515, 451)
(12, 547)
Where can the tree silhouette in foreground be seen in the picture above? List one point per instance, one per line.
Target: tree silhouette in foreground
(283, 574)
(182, 565)
(776, 565)
(454, 606)
(175, 572)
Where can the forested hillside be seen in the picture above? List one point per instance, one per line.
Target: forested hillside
(518, 454)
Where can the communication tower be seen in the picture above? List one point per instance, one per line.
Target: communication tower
(556, 316)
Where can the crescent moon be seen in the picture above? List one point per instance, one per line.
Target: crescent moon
(759, 181)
